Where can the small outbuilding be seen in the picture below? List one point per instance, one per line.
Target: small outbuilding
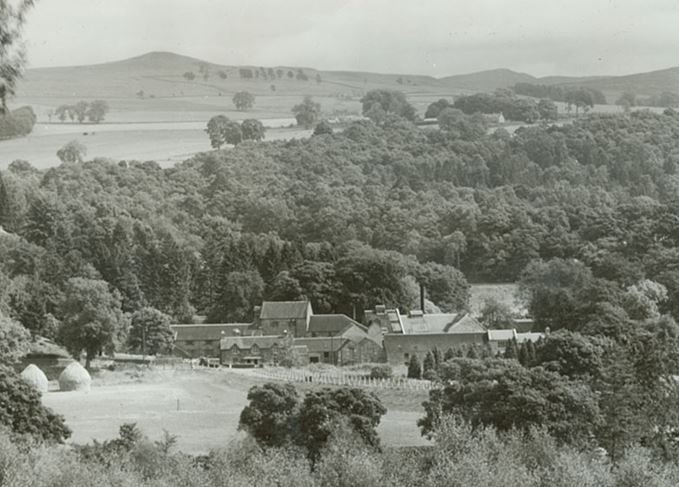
(36, 378)
(75, 378)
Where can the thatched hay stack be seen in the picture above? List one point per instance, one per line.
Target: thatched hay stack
(75, 378)
(35, 377)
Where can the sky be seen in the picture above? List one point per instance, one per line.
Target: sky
(431, 37)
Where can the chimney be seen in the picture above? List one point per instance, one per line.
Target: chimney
(422, 298)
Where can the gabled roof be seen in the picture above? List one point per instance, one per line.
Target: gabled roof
(209, 332)
(321, 344)
(284, 310)
(465, 323)
(246, 343)
(332, 324)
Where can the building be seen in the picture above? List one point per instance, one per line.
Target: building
(387, 320)
(254, 350)
(418, 322)
(400, 348)
(203, 340)
(278, 317)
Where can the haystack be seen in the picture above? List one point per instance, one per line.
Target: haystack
(35, 377)
(75, 378)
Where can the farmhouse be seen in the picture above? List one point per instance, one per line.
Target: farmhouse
(253, 350)
(195, 341)
(278, 317)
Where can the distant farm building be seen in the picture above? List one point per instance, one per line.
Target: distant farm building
(196, 341)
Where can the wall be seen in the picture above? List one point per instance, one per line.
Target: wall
(397, 345)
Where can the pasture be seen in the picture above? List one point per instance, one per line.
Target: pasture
(201, 407)
(165, 143)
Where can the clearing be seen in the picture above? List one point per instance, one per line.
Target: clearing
(201, 407)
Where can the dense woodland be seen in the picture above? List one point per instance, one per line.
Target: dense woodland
(350, 219)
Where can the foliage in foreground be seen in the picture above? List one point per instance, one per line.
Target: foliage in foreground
(460, 456)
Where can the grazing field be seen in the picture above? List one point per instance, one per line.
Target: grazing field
(201, 407)
(165, 143)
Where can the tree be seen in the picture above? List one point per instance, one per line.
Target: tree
(216, 128)
(243, 101)
(150, 331)
(22, 412)
(73, 151)
(377, 104)
(12, 54)
(445, 285)
(97, 111)
(252, 129)
(271, 415)
(189, 76)
(506, 395)
(460, 125)
(321, 410)
(571, 354)
(437, 107)
(627, 100)
(92, 318)
(428, 363)
(80, 110)
(414, 368)
(548, 110)
(323, 128)
(239, 292)
(233, 134)
(307, 112)
(14, 340)
(496, 314)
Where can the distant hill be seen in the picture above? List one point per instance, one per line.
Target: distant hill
(487, 80)
(167, 95)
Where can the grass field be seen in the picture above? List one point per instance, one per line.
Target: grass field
(165, 143)
(201, 407)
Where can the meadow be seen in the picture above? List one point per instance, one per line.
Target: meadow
(201, 407)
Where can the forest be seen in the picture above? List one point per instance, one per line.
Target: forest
(349, 219)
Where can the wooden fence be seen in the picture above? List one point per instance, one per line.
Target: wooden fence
(351, 380)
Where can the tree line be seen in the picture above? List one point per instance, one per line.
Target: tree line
(94, 111)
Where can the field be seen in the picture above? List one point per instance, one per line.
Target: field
(165, 143)
(201, 407)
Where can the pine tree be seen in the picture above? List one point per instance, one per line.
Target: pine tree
(511, 351)
(4, 205)
(472, 353)
(428, 363)
(524, 359)
(450, 353)
(414, 368)
(437, 357)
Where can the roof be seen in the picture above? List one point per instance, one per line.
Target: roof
(418, 322)
(321, 344)
(284, 310)
(208, 332)
(501, 335)
(465, 323)
(332, 324)
(246, 343)
(389, 318)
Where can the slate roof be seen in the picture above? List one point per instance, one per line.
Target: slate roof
(208, 332)
(284, 310)
(332, 324)
(321, 344)
(246, 343)
(417, 322)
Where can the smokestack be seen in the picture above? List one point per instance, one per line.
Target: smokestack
(422, 298)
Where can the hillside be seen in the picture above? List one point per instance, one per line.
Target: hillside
(152, 87)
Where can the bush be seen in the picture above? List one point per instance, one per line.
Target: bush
(17, 123)
(381, 372)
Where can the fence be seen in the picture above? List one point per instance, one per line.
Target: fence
(295, 375)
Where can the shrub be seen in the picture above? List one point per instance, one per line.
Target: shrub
(21, 410)
(381, 372)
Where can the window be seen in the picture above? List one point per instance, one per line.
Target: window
(406, 356)
(326, 355)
